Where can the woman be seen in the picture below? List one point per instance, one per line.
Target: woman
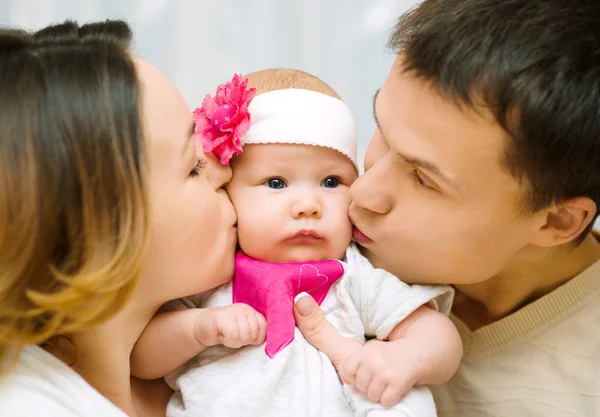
(107, 211)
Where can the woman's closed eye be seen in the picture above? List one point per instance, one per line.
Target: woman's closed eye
(275, 183)
(200, 165)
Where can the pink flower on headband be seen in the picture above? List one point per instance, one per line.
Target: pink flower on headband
(223, 120)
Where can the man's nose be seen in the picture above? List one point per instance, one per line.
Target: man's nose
(370, 190)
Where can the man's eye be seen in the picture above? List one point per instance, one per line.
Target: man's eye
(275, 183)
(421, 181)
(331, 182)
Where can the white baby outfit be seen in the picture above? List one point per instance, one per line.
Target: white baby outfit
(300, 381)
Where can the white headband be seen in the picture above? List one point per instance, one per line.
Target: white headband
(302, 117)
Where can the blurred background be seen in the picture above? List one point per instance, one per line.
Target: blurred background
(199, 44)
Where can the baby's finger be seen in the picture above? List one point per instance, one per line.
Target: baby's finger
(392, 394)
(229, 331)
(252, 328)
(364, 377)
(376, 389)
(244, 330)
(350, 368)
(261, 334)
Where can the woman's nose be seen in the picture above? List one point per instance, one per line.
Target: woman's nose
(219, 175)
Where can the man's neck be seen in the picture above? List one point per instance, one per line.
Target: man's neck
(538, 272)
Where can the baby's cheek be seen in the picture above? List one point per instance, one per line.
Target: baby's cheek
(342, 239)
(246, 237)
(255, 237)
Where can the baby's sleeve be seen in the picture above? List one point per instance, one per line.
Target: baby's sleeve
(383, 301)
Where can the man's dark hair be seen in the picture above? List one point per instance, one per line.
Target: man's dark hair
(536, 65)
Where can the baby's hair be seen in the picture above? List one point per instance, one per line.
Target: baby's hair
(283, 78)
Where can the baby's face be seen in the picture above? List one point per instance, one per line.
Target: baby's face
(292, 202)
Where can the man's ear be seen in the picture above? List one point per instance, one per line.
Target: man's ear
(564, 223)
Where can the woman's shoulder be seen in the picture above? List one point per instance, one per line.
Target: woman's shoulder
(41, 385)
(21, 400)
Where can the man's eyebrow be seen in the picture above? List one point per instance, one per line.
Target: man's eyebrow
(429, 166)
(190, 136)
(374, 112)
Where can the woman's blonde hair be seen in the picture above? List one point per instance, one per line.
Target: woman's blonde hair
(73, 205)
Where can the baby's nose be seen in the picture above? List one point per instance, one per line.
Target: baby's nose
(307, 206)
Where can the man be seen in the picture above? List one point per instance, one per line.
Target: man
(484, 173)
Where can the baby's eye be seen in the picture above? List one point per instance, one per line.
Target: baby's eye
(275, 183)
(331, 182)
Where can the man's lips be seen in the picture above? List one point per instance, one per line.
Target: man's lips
(360, 237)
(357, 235)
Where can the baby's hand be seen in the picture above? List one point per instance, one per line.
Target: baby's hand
(233, 326)
(384, 371)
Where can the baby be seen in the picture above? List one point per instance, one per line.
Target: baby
(294, 159)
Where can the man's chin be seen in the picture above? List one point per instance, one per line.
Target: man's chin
(370, 256)
(376, 261)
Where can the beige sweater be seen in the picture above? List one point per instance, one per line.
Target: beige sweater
(543, 360)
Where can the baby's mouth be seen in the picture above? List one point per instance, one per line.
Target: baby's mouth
(307, 233)
(305, 237)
